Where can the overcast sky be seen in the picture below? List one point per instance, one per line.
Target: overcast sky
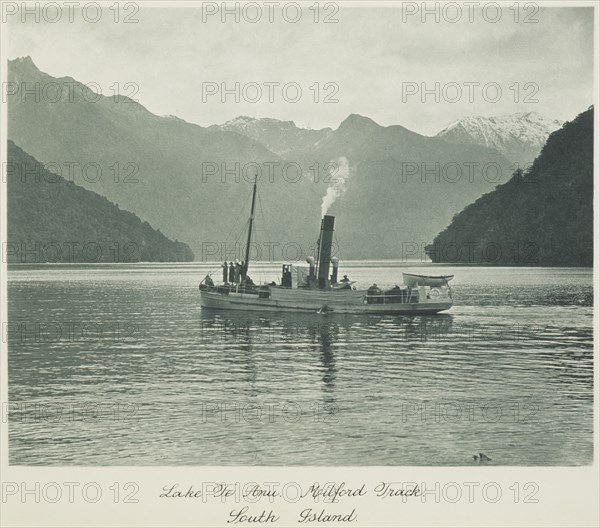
(368, 56)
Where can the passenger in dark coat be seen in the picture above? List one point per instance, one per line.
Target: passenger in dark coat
(231, 272)
(225, 269)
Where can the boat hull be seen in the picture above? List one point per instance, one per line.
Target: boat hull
(350, 302)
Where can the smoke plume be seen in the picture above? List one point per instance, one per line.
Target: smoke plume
(339, 178)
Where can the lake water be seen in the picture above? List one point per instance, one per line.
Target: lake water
(119, 365)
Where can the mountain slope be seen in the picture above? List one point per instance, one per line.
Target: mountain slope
(278, 136)
(540, 217)
(180, 177)
(52, 219)
(403, 187)
(520, 137)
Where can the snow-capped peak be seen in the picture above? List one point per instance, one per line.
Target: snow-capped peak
(519, 136)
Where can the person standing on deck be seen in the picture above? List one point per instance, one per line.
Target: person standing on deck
(225, 269)
(237, 272)
(231, 273)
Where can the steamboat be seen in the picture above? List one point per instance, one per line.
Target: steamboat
(313, 289)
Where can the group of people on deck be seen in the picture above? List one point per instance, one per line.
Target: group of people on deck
(234, 273)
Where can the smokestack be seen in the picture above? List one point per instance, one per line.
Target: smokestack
(325, 243)
(334, 274)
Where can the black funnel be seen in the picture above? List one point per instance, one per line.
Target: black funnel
(325, 246)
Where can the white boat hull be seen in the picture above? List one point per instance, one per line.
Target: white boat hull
(311, 301)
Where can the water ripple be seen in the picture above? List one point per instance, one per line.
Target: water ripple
(119, 365)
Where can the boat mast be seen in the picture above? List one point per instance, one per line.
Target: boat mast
(251, 221)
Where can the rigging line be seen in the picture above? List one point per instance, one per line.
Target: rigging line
(337, 244)
(241, 233)
(262, 274)
(255, 265)
(269, 238)
(240, 238)
(262, 214)
(258, 264)
(264, 222)
(235, 222)
(231, 231)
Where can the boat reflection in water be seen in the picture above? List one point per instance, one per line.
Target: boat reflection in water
(250, 330)
(313, 362)
(251, 338)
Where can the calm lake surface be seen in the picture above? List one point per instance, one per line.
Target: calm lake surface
(119, 365)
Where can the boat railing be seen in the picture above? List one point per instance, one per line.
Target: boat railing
(395, 297)
(230, 288)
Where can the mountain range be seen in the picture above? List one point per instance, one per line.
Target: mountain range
(193, 183)
(520, 137)
(281, 137)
